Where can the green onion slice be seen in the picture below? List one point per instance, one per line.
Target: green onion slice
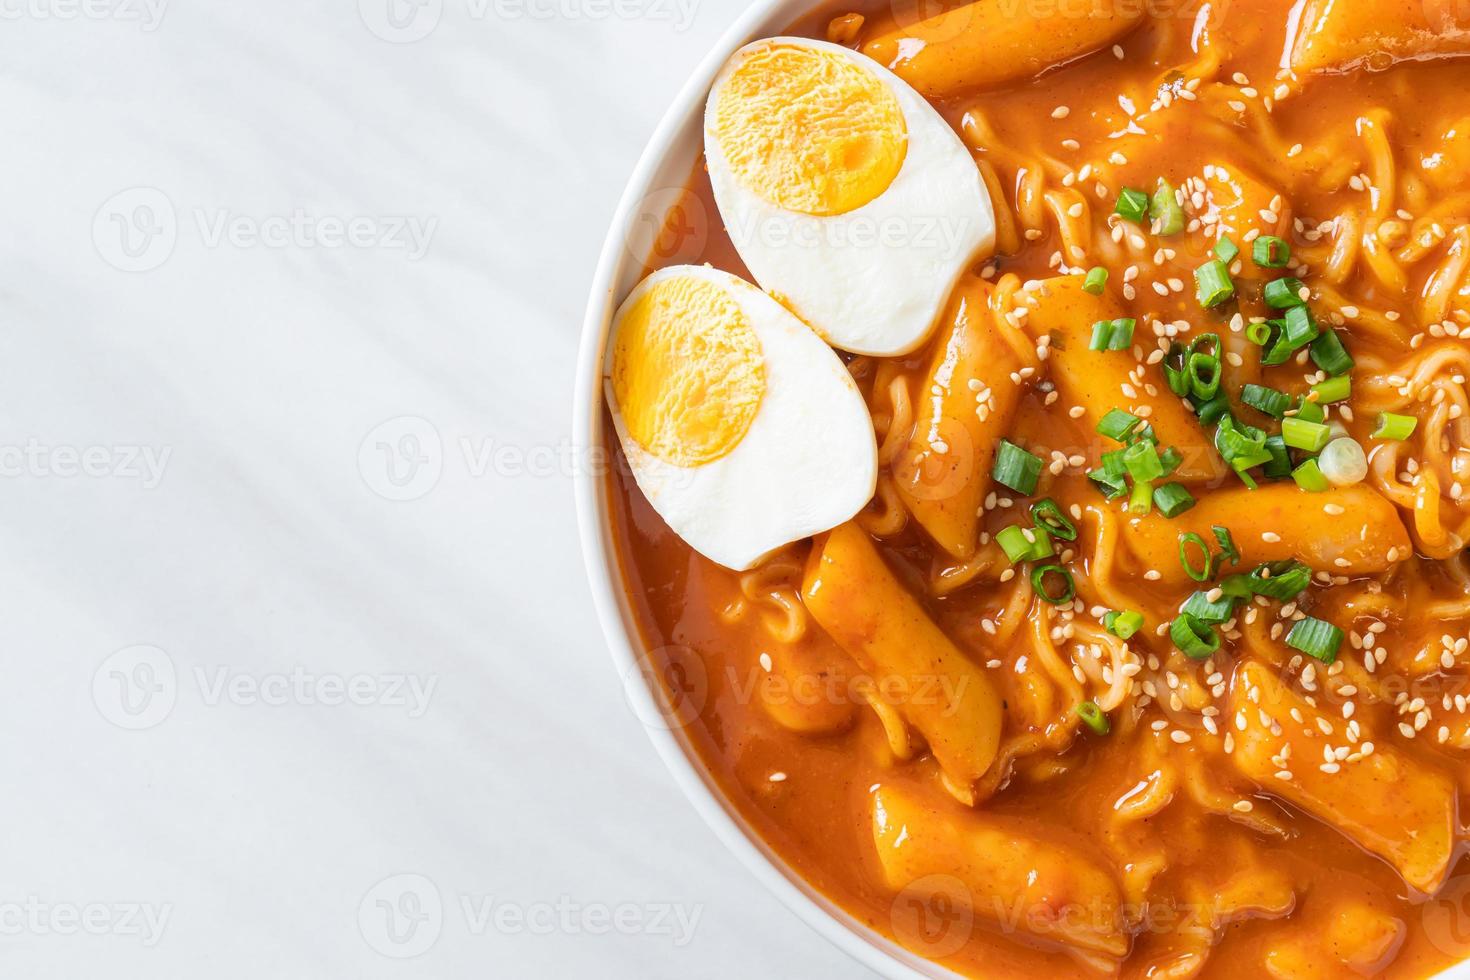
(1123, 624)
(1212, 612)
(1282, 294)
(1301, 327)
(1198, 573)
(1196, 639)
(1172, 499)
(1213, 284)
(1118, 424)
(1338, 389)
(1226, 249)
(1270, 252)
(1048, 514)
(1329, 354)
(1096, 281)
(1016, 468)
(1301, 434)
(1093, 717)
(1316, 638)
(1038, 582)
(1024, 543)
(1164, 211)
(1132, 205)
(1309, 477)
(1228, 551)
(1267, 400)
(1395, 427)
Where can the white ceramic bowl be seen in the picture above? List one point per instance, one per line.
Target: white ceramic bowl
(655, 187)
(665, 168)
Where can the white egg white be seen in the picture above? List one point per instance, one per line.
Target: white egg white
(875, 279)
(807, 463)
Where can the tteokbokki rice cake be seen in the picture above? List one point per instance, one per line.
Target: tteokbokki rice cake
(1047, 493)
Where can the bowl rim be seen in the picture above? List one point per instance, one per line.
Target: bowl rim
(615, 266)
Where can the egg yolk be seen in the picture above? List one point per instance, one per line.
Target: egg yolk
(809, 131)
(688, 372)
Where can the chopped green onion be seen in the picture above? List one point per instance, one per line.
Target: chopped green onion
(1201, 573)
(1142, 499)
(1258, 333)
(1316, 638)
(1048, 515)
(1108, 485)
(1204, 375)
(1278, 349)
(1301, 327)
(1197, 640)
(1309, 477)
(1270, 252)
(1096, 281)
(1213, 410)
(1123, 624)
(1200, 606)
(1329, 354)
(1132, 205)
(1280, 580)
(1016, 468)
(1094, 718)
(1172, 499)
(1282, 294)
(1174, 364)
(1113, 465)
(1165, 212)
(1024, 543)
(1336, 389)
(1112, 334)
(1267, 400)
(1395, 427)
(1228, 551)
(1170, 459)
(1240, 445)
(1213, 284)
(1143, 463)
(1226, 249)
(1118, 424)
(1280, 465)
(1038, 582)
(1343, 462)
(1308, 436)
(1309, 411)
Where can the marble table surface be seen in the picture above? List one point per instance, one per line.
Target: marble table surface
(302, 674)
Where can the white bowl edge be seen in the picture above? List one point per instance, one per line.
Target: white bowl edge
(667, 161)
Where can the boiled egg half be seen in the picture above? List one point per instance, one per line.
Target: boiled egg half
(845, 193)
(743, 429)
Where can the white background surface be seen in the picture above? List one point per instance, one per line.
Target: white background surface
(200, 541)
